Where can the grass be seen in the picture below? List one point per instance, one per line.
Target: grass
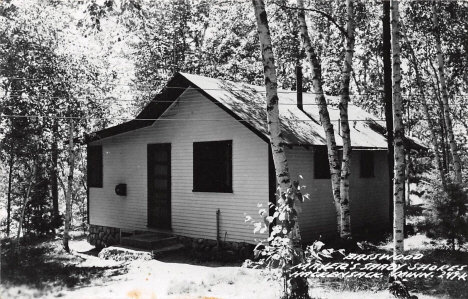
(331, 287)
(441, 286)
(435, 286)
(45, 268)
(184, 287)
(43, 264)
(190, 287)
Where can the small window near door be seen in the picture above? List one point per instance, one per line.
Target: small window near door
(321, 165)
(212, 166)
(95, 166)
(367, 164)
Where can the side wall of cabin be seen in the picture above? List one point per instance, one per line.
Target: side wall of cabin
(368, 196)
(193, 118)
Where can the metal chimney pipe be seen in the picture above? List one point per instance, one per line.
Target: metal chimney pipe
(300, 103)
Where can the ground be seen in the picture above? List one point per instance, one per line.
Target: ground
(44, 270)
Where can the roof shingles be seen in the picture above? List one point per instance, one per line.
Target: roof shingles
(298, 127)
(247, 104)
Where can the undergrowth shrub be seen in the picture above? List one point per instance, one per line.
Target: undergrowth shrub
(446, 217)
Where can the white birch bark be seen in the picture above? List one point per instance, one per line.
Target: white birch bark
(288, 194)
(345, 231)
(66, 232)
(398, 134)
(323, 111)
(448, 122)
(273, 123)
(274, 130)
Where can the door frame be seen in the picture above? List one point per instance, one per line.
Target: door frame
(150, 149)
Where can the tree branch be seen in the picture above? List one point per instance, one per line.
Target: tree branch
(323, 14)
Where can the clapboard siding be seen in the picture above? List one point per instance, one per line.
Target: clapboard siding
(371, 204)
(194, 118)
(368, 196)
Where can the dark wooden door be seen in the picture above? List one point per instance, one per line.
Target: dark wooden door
(159, 186)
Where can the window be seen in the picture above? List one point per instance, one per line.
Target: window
(367, 164)
(212, 166)
(321, 165)
(95, 166)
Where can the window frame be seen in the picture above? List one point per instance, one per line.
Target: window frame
(200, 168)
(366, 173)
(96, 180)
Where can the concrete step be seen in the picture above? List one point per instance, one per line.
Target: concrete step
(165, 250)
(150, 241)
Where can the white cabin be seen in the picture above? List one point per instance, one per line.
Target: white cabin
(201, 146)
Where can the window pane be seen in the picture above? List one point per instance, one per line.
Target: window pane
(212, 166)
(161, 156)
(160, 169)
(160, 184)
(321, 165)
(95, 166)
(367, 164)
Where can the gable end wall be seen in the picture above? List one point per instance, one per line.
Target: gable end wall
(193, 213)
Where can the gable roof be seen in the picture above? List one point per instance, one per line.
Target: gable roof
(246, 103)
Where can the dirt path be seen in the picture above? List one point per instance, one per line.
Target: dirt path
(156, 279)
(170, 279)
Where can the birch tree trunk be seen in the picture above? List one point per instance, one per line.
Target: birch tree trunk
(430, 123)
(387, 79)
(298, 287)
(448, 122)
(443, 140)
(345, 132)
(66, 232)
(10, 177)
(53, 175)
(398, 131)
(323, 111)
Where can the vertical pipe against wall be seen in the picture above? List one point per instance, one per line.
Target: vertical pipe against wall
(217, 226)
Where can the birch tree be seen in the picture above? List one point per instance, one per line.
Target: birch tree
(345, 231)
(68, 197)
(446, 109)
(339, 174)
(321, 102)
(387, 86)
(39, 51)
(288, 191)
(398, 131)
(431, 125)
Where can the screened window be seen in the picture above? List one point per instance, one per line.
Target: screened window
(95, 166)
(212, 166)
(321, 165)
(367, 164)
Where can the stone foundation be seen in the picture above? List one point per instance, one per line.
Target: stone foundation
(103, 236)
(226, 251)
(204, 249)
